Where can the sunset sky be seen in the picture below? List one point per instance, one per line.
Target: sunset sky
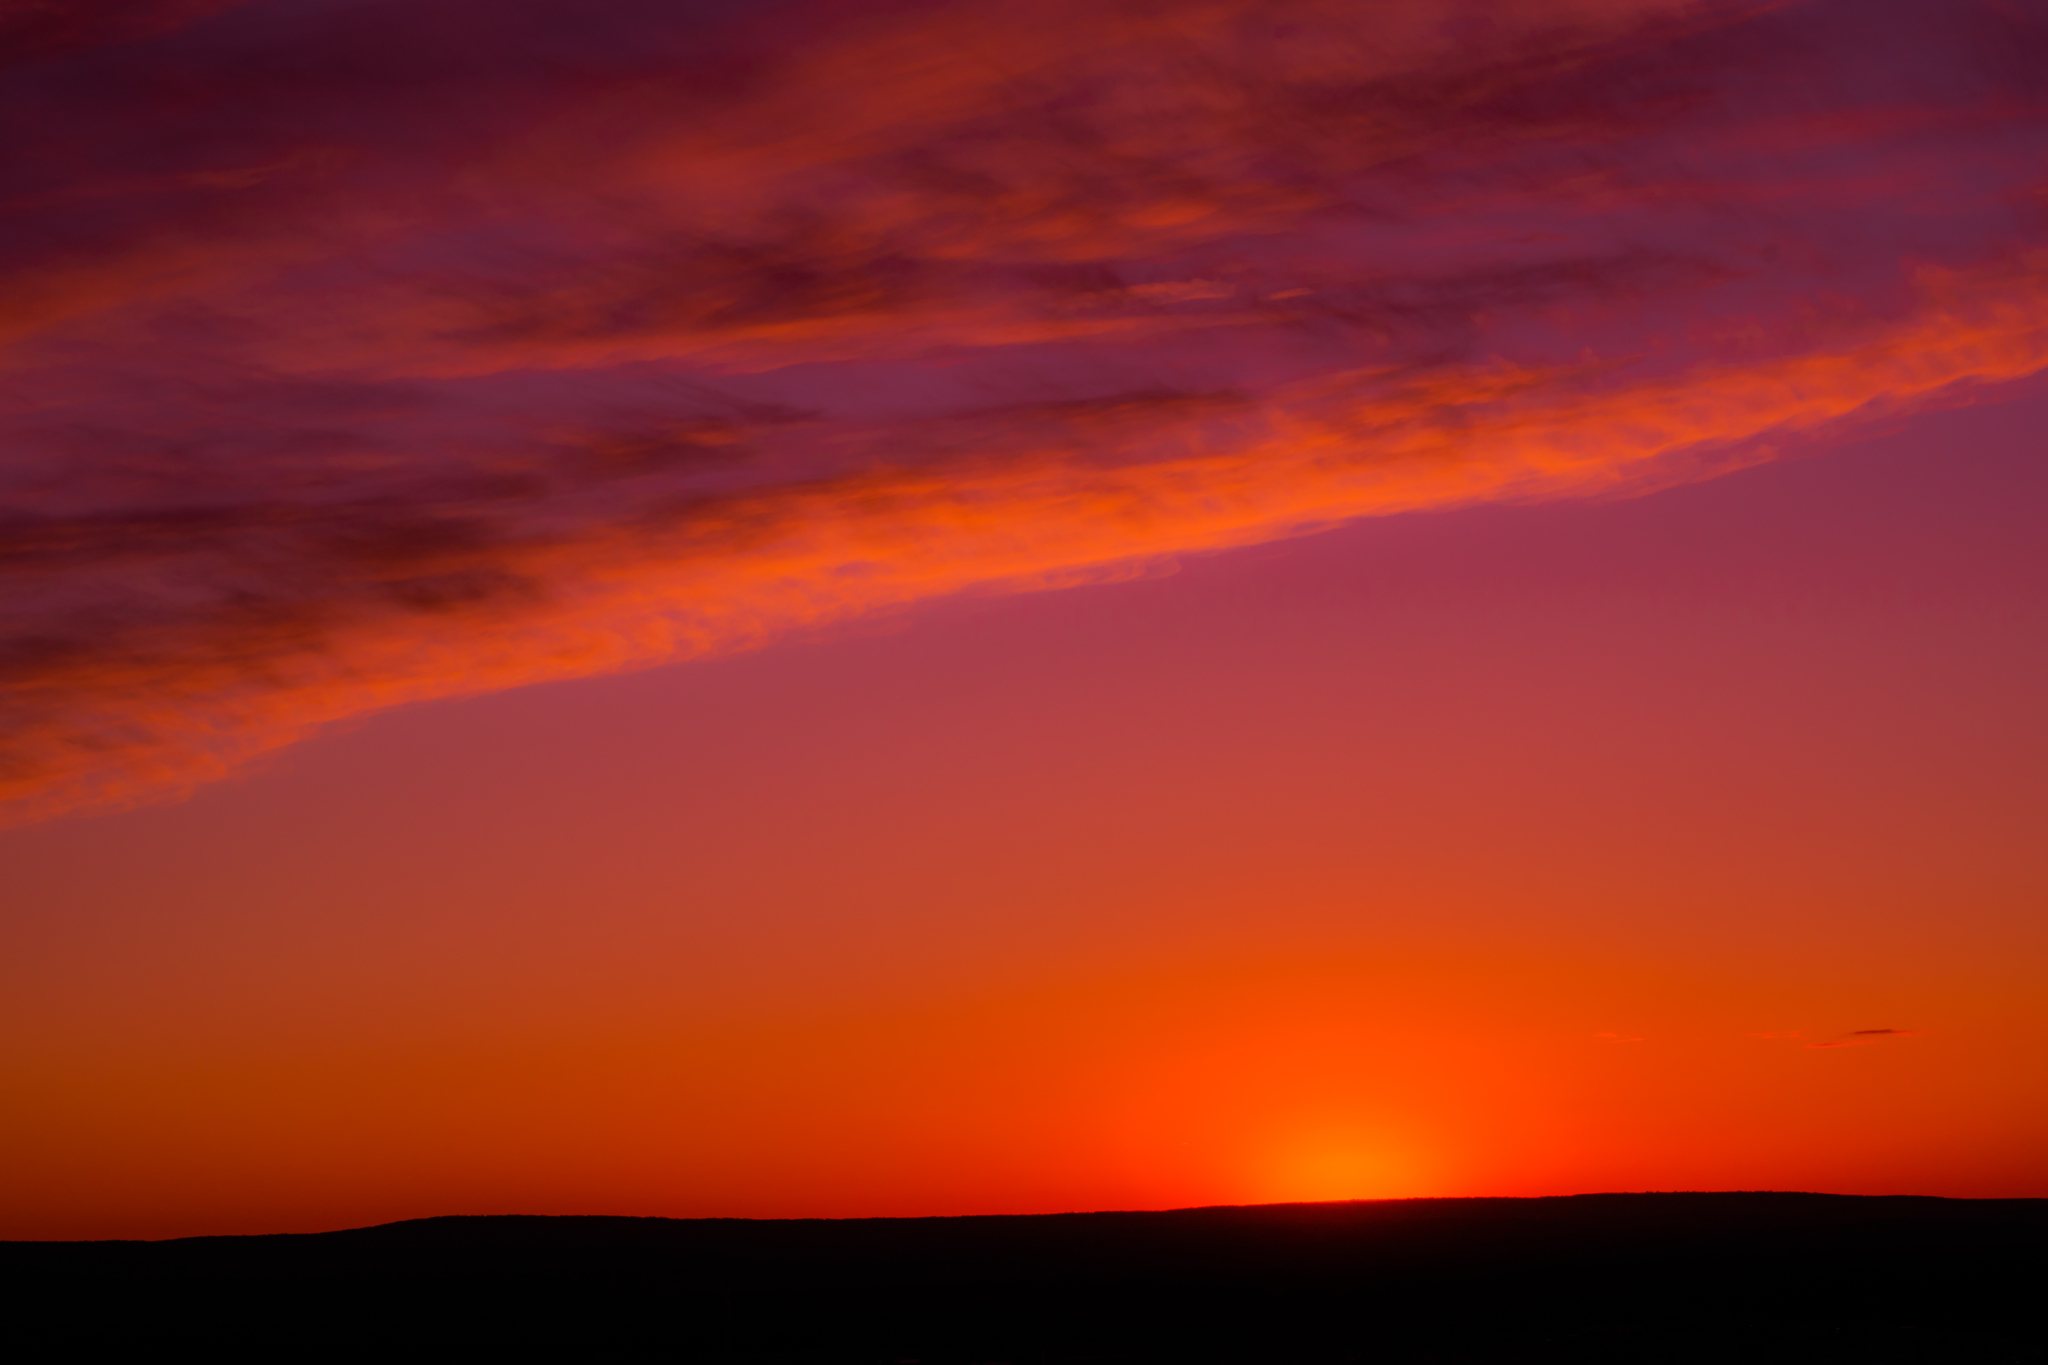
(849, 607)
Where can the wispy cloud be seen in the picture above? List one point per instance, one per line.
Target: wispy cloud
(358, 354)
(1864, 1037)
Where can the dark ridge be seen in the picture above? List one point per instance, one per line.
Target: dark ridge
(1650, 1277)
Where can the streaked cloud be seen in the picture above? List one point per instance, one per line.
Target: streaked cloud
(359, 354)
(1864, 1037)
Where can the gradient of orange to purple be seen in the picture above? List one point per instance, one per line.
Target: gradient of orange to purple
(1259, 602)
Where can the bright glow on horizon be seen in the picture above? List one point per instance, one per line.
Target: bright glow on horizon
(1340, 1162)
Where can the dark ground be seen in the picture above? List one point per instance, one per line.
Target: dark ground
(1654, 1278)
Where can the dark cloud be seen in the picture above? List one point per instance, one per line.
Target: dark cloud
(1864, 1037)
(33, 30)
(356, 352)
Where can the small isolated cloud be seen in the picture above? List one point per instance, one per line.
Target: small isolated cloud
(1864, 1037)
(360, 354)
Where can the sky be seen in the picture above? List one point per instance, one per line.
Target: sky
(830, 609)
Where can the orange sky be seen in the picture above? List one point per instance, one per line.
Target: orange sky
(1517, 852)
(1255, 605)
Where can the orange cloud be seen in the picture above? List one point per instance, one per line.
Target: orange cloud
(370, 381)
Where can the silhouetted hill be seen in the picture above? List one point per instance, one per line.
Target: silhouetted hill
(1664, 1277)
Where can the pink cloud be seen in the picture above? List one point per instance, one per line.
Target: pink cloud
(362, 354)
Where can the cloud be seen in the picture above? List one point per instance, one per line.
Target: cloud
(355, 353)
(1864, 1037)
(32, 30)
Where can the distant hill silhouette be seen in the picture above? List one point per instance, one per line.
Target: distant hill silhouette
(1647, 1277)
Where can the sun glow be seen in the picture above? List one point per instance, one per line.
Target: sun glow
(1339, 1162)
